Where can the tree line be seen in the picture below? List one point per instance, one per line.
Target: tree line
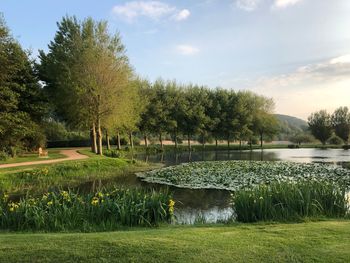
(323, 125)
(85, 80)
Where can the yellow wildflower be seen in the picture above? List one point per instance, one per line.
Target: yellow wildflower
(171, 206)
(94, 201)
(50, 203)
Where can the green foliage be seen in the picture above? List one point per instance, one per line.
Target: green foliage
(302, 137)
(3, 156)
(320, 125)
(113, 153)
(341, 123)
(290, 202)
(105, 210)
(22, 104)
(335, 140)
(235, 175)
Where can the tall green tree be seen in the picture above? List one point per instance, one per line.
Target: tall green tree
(86, 72)
(341, 123)
(22, 104)
(320, 125)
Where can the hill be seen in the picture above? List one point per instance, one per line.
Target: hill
(290, 125)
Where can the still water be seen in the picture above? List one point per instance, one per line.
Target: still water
(214, 205)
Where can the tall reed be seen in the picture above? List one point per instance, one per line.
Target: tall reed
(65, 210)
(290, 202)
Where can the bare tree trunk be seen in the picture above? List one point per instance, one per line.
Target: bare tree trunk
(161, 140)
(107, 141)
(93, 138)
(176, 139)
(189, 142)
(228, 142)
(203, 141)
(131, 140)
(118, 141)
(261, 140)
(216, 143)
(99, 137)
(240, 144)
(146, 141)
(99, 131)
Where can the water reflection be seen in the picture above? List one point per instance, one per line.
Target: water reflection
(214, 205)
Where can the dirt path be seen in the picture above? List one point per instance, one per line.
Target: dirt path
(71, 154)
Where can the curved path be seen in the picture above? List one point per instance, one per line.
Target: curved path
(71, 154)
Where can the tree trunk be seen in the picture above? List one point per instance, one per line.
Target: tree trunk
(228, 142)
(189, 142)
(216, 143)
(175, 139)
(107, 141)
(161, 140)
(99, 131)
(146, 141)
(240, 144)
(93, 138)
(118, 141)
(261, 140)
(203, 142)
(99, 137)
(131, 140)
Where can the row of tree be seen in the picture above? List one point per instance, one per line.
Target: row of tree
(322, 124)
(85, 80)
(89, 80)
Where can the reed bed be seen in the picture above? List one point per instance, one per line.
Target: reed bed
(290, 201)
(102, 211)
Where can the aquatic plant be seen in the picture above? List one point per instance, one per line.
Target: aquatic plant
(235, 175)
(290, 202)
(66, 210)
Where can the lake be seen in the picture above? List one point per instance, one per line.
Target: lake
(214, 205)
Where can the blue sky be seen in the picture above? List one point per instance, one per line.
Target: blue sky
(296, 51)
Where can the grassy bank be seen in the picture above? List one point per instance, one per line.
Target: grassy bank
(327, 241)
(32, 157)
(70, 174)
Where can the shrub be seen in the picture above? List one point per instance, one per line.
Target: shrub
(65, 210)
(3, 156)
(113, 153)
(293, 146)
(290, 202)
(335, 140)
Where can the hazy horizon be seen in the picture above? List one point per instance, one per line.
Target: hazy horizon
(295, 51)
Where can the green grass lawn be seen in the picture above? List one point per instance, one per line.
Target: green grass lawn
(32, 157)
(327, 241)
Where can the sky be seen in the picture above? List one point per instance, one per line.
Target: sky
(295, 51)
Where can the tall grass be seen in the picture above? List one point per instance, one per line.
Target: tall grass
(66, 211)
(290, 202)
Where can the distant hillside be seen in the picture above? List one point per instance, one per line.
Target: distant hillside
(290, 125)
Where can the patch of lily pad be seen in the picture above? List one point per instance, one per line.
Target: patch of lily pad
(236, 175)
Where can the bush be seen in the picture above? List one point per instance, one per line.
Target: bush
(335, 140)
(290, 202)
(65, 210)
(293, 146)
(113, 153)
(3, 156)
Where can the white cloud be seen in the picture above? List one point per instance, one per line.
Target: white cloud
(187, 50)
(247, 5)
(154, 10)
(285, 3)
(251, 5)
(309, 88)
(182, 15)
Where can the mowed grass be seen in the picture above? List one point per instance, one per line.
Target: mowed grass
(327, 241)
